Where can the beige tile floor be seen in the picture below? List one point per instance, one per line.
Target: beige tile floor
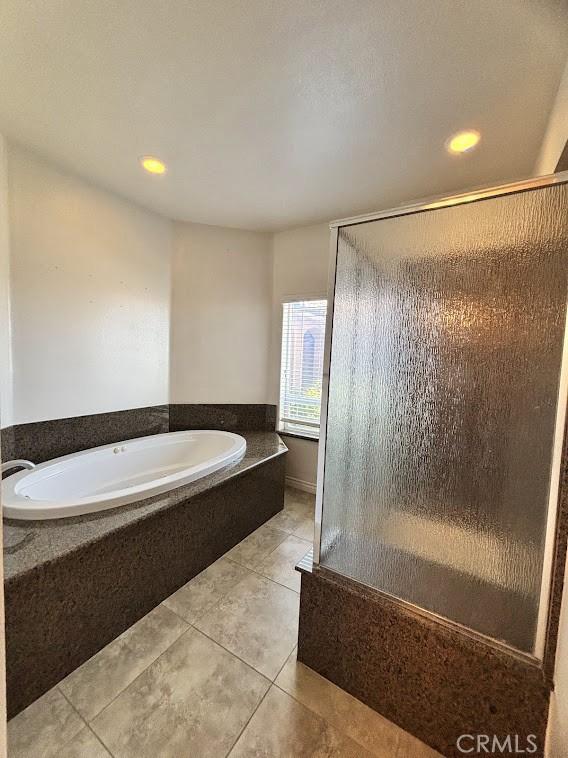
(212, 671)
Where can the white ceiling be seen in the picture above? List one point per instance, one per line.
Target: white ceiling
(276, 113)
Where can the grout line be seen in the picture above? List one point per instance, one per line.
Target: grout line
(141, 672)
(242, 660)
(216, 604)
(213, 605)
(260, 702)
(285, 662)
(86, 726)
(266, 523)
(57, 687)
(267, 555)
(219, 644)
(307, 707)
(96, 736)
(268, 578)
(399, 732)
(337, 728)
(187, 631)
(325, 720)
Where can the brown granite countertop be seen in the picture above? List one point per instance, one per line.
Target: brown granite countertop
(28, 544)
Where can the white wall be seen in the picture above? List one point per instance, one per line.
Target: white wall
(90, 291)
(221, 304)
(556, 132)
(300, 268)
(5, 342)
(91, 281)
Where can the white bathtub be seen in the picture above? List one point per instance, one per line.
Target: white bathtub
(112, 475)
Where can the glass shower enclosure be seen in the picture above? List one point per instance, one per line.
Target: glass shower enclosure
(444, 406)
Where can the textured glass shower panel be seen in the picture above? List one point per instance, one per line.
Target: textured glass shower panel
(447, 340)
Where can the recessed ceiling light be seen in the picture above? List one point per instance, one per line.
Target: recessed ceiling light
(153, 165)
(462, 142)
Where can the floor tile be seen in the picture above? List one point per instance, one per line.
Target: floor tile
(256, 546)
(84, 745)
(200, 594)
(410, 746)
(44, 727)
(297, 518)
(364, 725)
(279, 565)
(286, 520)
(282, 728)
(192, 701)
(302, 503)
(292, 522)
(305, 531)
(94, 684)
(257, 621)
(294, 496)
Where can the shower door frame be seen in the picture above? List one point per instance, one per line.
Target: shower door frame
(547, 625)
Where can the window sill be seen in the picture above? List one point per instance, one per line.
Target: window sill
(299, 435)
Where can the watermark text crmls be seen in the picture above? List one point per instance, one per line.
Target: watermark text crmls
(495, 744)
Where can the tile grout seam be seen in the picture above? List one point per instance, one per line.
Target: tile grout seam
(240, 734)
(85, 722)
(325, 720)
(185, 631)
(288, 534)
(263, 576)
(330, 723)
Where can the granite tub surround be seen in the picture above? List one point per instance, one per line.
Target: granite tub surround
(29, 544)
(8, 447)
(428, 678)
(229, 417)
(43, 440)
(72, 586)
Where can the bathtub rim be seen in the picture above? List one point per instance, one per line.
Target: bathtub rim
(15, 508)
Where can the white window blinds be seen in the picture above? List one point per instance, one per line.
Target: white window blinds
(303, 332)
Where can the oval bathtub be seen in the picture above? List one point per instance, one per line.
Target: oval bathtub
(112, 475)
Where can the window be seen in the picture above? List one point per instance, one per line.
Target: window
(303, 332)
